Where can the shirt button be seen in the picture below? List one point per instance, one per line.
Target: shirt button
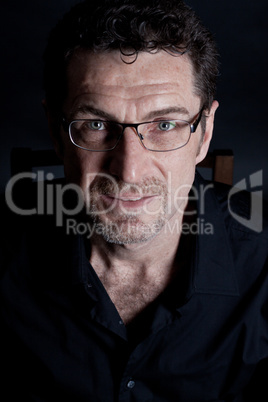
(131, 384)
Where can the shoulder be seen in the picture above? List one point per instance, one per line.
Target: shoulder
(243, 217)
(240, 222)
(241, 210)
(29, 220)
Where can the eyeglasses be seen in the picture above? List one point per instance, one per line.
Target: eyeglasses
(157, 136)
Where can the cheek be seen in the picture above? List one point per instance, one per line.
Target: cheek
(181, 175)
(80, 166)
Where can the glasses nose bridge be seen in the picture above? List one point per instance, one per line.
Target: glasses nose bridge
(132, 125)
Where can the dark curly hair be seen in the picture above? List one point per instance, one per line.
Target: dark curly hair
(130, 26)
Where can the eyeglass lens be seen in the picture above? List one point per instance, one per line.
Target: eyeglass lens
(156, 136)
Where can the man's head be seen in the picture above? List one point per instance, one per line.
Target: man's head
(130, 26)
(123, 64)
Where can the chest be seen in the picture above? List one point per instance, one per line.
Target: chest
(132, 298)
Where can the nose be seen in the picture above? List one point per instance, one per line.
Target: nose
(129, 161)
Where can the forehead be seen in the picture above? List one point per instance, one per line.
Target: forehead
(151, 77)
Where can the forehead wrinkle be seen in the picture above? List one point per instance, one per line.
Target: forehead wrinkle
(91, 97)
(159, 87)
(149, 109)
(113, 76)
(130, 94)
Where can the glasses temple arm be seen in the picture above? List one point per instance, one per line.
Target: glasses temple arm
(196, 123)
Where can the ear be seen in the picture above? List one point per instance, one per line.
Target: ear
(204, 145)
(54, 131)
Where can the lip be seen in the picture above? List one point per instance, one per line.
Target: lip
(128, 201)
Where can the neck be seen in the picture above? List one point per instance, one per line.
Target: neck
(134, 275)
(146, 258)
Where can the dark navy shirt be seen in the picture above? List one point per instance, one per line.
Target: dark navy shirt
(204, 339)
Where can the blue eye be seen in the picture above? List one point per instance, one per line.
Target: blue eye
(166, 125)
(96, 125)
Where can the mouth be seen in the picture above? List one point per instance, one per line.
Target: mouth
(128, 201)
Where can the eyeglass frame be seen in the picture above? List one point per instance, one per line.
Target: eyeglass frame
(193, 127)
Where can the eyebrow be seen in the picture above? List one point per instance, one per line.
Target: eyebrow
(92, 110)
(168, 110)
(108, 116)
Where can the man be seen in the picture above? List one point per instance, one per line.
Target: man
(141, 306)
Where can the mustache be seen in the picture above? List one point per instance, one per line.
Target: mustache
(109, 186)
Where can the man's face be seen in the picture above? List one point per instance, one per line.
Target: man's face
(131, 193)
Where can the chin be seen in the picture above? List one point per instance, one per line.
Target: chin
(128, 230)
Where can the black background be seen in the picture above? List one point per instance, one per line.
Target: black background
(240, 29)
